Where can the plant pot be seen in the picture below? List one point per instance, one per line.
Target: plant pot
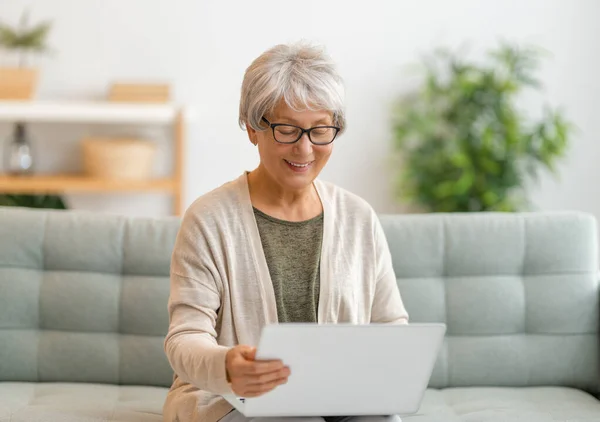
(17, 83)
(111, 158)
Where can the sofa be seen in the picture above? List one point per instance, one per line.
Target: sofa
(83, 314)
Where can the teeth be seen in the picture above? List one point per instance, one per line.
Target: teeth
(297, 165)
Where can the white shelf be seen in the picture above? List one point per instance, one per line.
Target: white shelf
(86, 112)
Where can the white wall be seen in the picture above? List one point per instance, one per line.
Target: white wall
(203, 48)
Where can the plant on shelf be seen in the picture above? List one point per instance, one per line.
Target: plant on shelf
(33, 201)
(463, 144)
(19, 80)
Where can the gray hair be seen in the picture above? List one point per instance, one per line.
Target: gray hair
(301, 75)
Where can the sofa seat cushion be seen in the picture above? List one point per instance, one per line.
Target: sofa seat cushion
(69, 402)
(483, 404)
(64, 402)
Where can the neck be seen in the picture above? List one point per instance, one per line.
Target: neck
(270, 197)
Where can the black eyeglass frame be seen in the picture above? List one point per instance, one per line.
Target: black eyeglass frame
(302, 132)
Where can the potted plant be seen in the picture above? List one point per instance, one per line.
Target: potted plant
(18, 80)
(463, 144)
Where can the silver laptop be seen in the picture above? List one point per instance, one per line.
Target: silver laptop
(346, 370)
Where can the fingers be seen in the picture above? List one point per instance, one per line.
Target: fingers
(260, 367)
(269, 377)
(254, 391)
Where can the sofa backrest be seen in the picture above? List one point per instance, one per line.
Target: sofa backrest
(518, 292)
(83, 297)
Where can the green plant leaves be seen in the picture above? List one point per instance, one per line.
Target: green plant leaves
(24, 37)
(8, 37)
(33, 201)
(463, 143)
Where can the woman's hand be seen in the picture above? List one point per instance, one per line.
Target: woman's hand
(251, 378)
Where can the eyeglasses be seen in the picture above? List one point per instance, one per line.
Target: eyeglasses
(289, 134)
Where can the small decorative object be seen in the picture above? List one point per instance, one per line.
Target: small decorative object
(463, 144)
(18, 81)
(114, 158)
(139, 93)
(18, 154)
(19, 161)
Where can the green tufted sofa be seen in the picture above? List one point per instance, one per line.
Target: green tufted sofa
(83, 314)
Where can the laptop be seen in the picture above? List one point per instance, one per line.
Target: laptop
(346, 370)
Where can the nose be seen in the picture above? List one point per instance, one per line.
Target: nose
(303, 147)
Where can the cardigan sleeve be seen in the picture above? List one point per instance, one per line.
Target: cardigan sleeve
(387, 304)
(195, 296)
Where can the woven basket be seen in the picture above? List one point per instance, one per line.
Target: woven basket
(17, 83)
(118, 158)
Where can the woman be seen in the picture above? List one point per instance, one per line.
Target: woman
(274, 245)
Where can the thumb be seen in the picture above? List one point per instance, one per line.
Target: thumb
(249, 353)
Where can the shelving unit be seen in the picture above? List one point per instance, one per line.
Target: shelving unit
(97, 112)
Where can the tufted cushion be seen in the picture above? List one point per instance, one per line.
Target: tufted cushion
(63, 402)
(518, 292)
(83, 297)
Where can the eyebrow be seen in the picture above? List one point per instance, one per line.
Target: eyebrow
(324, 121)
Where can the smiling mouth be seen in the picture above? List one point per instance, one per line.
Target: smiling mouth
(298, 165)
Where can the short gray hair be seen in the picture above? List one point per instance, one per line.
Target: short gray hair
(300, 74)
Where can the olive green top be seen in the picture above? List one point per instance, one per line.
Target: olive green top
(293, 254)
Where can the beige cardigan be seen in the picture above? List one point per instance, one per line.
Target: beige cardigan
(221, 292)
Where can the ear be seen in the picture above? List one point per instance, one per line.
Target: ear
(252, 135)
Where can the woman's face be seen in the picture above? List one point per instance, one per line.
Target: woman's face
(293, 166)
